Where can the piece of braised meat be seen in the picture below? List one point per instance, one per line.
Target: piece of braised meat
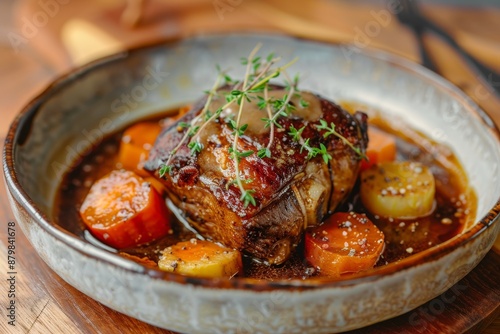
(291, 190)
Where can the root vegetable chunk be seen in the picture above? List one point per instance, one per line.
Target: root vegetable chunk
(381, 148)
(122, 210)
(200, 259)
(398, 189)
(135, 145)
(345, 243)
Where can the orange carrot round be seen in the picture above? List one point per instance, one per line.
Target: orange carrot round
(122, 210)
(135, 145)
(345, 243)
(381, 148)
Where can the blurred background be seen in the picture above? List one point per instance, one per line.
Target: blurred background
(62, 33)
(42, 39)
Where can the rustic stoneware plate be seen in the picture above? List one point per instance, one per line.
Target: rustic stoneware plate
(106, 95)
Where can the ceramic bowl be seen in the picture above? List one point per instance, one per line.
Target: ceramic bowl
(79, 109)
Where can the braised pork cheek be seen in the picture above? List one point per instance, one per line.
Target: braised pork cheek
(292, 190)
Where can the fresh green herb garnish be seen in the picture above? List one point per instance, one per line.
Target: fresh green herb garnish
(254, 88)
(330, 130)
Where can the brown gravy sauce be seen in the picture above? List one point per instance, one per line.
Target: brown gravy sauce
(455, 204)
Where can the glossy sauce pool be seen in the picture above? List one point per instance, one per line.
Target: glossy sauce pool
(455, 207)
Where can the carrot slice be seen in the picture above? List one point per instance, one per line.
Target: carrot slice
(381, 148)
(345, 243)
(122, 210)
(135, 145)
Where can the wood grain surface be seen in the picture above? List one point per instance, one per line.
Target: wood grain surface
(46, 304)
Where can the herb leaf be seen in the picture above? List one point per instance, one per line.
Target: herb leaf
(296, 133)
(247, 197)
(195, 147)
(264, 153)
(164, 169)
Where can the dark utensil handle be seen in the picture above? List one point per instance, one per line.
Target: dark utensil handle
(489, 76)
(424, 54)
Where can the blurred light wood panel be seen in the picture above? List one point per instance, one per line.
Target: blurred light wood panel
(364, 25)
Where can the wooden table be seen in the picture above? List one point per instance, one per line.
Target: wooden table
(46, 304)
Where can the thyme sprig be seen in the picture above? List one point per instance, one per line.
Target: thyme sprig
(246, 194)
(254, 88)
(192, 130)
(330, 130)
(259, 82)
(243, 92)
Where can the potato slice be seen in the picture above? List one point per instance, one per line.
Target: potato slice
(398, 189)
(200, 258)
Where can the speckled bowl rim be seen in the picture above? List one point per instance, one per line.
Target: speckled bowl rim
(21, 125)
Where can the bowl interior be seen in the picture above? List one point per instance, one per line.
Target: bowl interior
(82, 108)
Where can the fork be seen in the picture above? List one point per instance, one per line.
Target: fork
(411, 16)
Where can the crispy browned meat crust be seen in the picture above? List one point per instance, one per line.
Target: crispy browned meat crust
(291, 191)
